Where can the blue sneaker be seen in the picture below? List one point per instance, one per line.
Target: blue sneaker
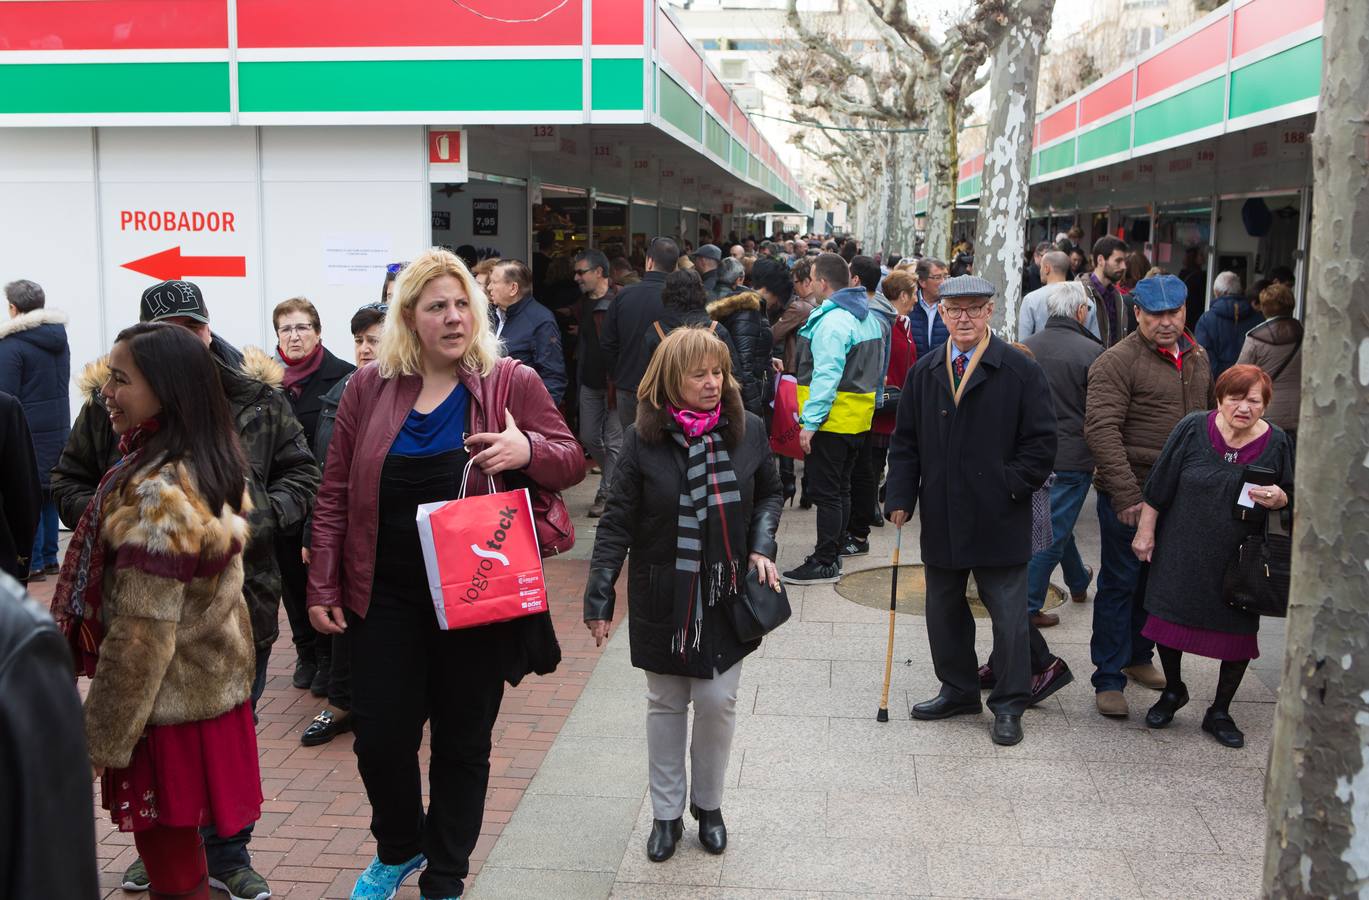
(380, 882)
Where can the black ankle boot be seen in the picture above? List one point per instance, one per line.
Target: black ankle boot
(712, 831)
(1172, 699)
(665, 834)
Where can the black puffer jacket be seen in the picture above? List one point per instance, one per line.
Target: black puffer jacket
(743, 315)
(641, 517)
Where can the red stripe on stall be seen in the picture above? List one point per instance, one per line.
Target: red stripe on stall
(113, 25)
(1194, 54)
(407, 23)
(1262, 21)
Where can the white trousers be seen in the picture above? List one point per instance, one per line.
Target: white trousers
(715, 720)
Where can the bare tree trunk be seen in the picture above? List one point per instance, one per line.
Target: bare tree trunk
(1318, 789)
(944, 162)
(902, 242)
(999, 232)
(892, 175)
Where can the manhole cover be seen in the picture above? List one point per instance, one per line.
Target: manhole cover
(870, 587)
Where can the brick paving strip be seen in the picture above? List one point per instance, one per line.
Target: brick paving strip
(314, 836)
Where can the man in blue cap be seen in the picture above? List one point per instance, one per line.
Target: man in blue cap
(975, 439)
(1138, 391)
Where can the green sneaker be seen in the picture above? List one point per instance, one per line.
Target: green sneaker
(243, 884)
(135, 877)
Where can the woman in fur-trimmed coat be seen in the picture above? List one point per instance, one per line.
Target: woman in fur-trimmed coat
(151, 601)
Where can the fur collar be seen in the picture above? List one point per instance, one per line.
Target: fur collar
(28, 320)
(260, 367)
(256, 365)
(652, 420)
(722, 308)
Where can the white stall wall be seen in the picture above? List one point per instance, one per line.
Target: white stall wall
(328, 189)
(47, 228)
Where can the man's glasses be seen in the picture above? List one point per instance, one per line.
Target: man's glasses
(581, 273)
(287, 330)
(960, 312)
(395, 268)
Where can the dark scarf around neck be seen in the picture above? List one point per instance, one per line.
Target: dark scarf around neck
(297, 371)
(710, 540)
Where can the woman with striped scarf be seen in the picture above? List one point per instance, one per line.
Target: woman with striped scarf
(695, 502)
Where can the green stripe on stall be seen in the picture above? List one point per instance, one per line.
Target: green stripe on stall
(680, 109)
(416, 84)
(715, 137)
(1195, 108)
(1056, 157)
(738, 157)
(616, 84)
(1113, 137)
(114, 88)
(1287, 76)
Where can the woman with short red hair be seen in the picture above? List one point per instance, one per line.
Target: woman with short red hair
(1190, 528)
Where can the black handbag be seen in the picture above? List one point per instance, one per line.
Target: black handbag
(759, 609)
(1257, 576)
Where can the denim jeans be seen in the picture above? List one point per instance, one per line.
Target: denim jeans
(45, 541)
(1118, 608)
(1067, 498)
(601, 432)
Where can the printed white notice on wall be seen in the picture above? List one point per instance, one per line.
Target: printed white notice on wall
(354, 258)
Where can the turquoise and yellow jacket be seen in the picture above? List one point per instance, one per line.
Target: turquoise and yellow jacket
(840, 364)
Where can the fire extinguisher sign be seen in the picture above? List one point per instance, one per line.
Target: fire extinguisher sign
(447, 156)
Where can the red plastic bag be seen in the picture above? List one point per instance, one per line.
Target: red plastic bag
(482, 559)
(785, 427)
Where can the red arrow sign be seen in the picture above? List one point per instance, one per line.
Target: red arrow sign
(170, 265)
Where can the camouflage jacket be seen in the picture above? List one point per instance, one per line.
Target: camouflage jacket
(284, 477)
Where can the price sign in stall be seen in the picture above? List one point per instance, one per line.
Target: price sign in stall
(485, 216)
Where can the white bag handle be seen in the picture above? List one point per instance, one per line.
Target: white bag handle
(466, 476)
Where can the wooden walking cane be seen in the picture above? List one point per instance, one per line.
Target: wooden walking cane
(883, 715)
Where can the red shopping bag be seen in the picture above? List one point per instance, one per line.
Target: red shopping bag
(482, 558)
(785, 427)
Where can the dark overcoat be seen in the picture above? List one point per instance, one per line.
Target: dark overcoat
(973, 467)
(642, 517)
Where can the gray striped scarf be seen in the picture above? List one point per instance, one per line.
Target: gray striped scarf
(711, 536)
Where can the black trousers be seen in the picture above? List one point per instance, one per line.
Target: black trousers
(405, 672)
(294, 580)
(865, 507)
(950, 631)
(334, 656)
(829, 465)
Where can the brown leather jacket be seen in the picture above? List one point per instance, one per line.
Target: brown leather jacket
(1135, 398)
(372, 411)
(786, 331)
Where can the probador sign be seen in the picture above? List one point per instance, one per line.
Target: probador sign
(176, 220)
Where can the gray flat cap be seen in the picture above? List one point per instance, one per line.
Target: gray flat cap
(966, 286)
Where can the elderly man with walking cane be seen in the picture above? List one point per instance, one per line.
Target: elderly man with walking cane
(975, 438)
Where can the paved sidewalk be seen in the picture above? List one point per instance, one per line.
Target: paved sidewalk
(823, 801)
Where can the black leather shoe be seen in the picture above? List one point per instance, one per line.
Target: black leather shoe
(1170, 702)
(325, 727)
(1006, 730)
(305, 670)
(712, 831)
(1221, 726)
(940, 707)
(665, 834)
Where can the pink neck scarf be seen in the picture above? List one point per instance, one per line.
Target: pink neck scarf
(695, 423)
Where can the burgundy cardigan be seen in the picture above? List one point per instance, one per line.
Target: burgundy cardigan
(373, 409)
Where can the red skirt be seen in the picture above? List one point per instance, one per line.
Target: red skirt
(189, 775)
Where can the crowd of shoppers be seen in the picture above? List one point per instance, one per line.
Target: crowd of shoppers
(205, 485)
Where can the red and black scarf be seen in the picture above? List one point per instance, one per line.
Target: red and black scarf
(80, 588)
